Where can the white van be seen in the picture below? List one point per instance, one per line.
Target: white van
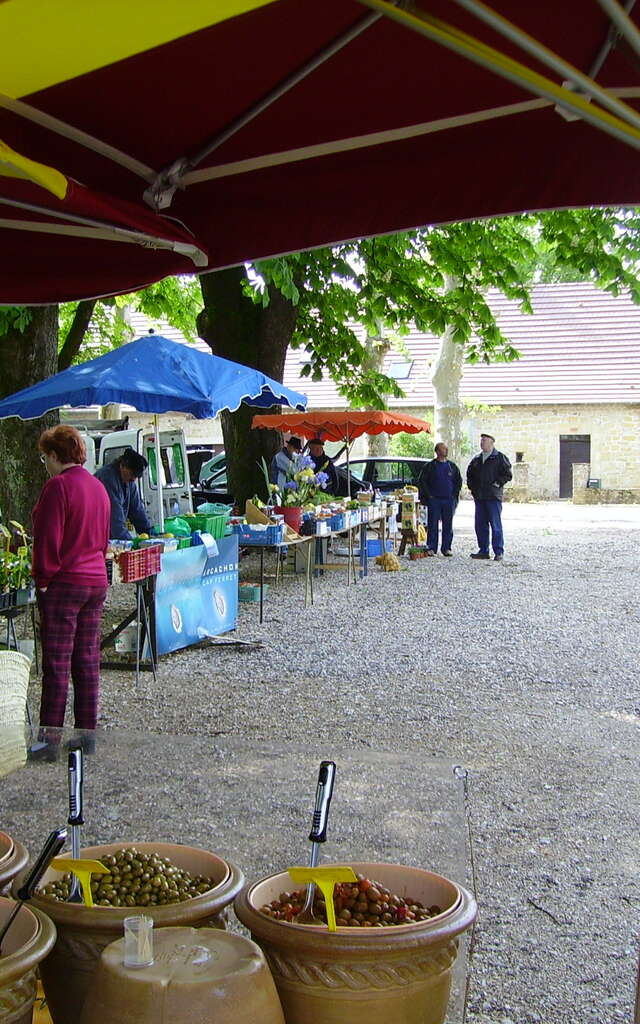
(103, 448)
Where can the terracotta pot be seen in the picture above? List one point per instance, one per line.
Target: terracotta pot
(199, 976)
(292, 516)
(364, 975)
(83, 932)
(13, 858)
(28, 941)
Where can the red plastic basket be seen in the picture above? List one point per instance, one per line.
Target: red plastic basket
(137, 565)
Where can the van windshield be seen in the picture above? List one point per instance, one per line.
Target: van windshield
(172, 465)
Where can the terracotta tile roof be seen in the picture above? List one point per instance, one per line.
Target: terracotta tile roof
(581, 345)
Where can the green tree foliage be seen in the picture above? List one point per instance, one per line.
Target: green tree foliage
(413, 446)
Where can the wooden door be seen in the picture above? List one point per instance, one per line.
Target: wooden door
(573, 448)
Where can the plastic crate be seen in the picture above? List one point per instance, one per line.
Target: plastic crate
(183, 542)
(8, 600)
(249, 535)
(215, 525)
(374, 547)
(137, 565)
(251, 592)
(338, 521)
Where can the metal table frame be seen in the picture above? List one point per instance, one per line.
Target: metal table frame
(144, 615)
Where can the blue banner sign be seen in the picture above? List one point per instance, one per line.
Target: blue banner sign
(197, 594)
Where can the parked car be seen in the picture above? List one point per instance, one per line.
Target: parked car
(211, 468)
(198, 456)
(387, 472)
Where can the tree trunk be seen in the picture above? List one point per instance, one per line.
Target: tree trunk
(446, 374)
(238, 329)
(29, 356)
(377, 346)
(445, 377)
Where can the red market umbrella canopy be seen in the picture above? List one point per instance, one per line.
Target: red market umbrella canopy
(42, 208)
(342, 426)
(245, 129)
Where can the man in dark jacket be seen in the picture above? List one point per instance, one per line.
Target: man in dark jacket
(439, 486)
(322, 463)
(119, 480)
(487, 473)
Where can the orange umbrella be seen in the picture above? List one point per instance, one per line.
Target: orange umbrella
(345, 426)
(333, 425)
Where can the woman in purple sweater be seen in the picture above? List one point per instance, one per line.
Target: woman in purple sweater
(70, 537)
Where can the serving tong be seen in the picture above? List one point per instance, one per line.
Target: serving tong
(318, 834)
(52, 846)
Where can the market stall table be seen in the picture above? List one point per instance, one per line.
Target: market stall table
(250, 802)
(278, 548)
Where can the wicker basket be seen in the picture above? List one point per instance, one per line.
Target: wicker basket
(14, 680)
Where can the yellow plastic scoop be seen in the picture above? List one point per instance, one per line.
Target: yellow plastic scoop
(325, 878)
(83, 870)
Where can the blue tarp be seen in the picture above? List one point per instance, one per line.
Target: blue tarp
(154, 375)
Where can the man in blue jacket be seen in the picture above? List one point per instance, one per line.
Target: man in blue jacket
(487, 473)
(439, 486)
(119, 479)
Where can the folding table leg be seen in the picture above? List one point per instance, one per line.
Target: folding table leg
(308, 582)
(261, 584)
(146, 617)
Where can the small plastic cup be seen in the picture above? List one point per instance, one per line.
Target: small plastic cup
(138, 941)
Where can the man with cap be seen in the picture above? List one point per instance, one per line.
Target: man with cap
(487, 473)
(119, 480)
(324, 464)
(282, 462)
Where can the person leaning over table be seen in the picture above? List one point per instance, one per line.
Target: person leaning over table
(119, 480)
(487, 473)
(323, 464)
(283, 462)
(70, 537)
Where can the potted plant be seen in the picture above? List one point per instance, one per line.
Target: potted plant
(302, 488)
(15, 566)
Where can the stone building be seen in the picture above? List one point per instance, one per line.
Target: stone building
(573, 398)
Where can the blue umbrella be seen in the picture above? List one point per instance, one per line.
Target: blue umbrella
(154, 375)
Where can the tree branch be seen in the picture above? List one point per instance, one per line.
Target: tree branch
(77, 331)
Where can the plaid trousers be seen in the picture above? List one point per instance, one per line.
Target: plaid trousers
(70, 618)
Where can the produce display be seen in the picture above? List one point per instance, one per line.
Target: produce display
(388, 562)
(365, 904)
(135, 879)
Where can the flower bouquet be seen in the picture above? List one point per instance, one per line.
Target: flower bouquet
(302, 487)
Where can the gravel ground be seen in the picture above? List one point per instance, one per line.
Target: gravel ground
(525, 672)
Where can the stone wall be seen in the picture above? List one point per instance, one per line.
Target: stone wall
(608, 496)
(195, 431)
(535, 431)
